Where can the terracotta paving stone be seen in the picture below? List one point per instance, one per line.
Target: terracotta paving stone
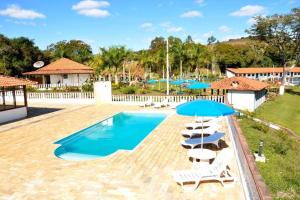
(30, 170)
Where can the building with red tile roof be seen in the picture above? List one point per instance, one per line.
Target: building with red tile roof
(239, 83)
(243, 93)
(63, 71)
(266, 73)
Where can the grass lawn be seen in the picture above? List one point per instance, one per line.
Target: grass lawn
(281, 172)
(283, 110)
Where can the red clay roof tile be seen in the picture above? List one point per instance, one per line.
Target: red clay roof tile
(239, 83)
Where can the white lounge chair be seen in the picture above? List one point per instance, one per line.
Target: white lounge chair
(193, 132)
(197, 125)
(147, 103)
(207, 119)
(174, 105)
(164, 103)
(217, 171)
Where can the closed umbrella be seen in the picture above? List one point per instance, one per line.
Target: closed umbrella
(204, 108)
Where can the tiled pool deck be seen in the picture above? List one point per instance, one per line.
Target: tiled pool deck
(29, 169)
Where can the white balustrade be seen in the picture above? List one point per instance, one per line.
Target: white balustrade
(88, 97)
(133, 99)
(52, 86)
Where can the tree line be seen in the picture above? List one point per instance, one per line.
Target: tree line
(273, 41)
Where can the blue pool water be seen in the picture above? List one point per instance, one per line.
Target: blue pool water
(123, 131)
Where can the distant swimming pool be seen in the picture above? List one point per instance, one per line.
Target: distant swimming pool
(123, 131)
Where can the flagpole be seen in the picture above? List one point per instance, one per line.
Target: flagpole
(167, 66)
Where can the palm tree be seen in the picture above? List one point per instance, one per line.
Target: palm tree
(113, 59)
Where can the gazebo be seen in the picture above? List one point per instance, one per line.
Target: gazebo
(13, 107)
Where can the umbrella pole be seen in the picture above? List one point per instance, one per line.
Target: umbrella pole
(202, 135)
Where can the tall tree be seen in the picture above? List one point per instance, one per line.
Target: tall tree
(280, 32)
(113, 58)
(76, 50)
(17, 55)
(211, 48)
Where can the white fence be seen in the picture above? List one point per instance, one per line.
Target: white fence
(136, 99)
(88, 98)
(51, 86)
(55, 97)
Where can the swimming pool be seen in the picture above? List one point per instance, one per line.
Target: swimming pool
(123, 131)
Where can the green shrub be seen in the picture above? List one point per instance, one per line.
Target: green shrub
(141, 91)
(261, 127)
(280, 148)
(31, 89)
(128, 90)
(115, 86)
(88, 87)
(72, 89)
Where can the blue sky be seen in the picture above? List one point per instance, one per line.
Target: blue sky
(132, 22)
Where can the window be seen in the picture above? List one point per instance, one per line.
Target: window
(260, 74)
(265, 74)
(65, 76)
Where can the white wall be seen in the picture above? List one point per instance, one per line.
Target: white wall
(243, 100)
(71, 80)
(102, 92)
(13, 114)
(246, 100)
(229, 74)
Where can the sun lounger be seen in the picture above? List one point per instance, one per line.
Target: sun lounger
(217, 171)
(194, 132)
(147, 103)
(199, 125)
(207, 119)
(164, 103)
(212, 139)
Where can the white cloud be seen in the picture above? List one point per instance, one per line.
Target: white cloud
(147, 26)
(249, 10)
(224, 29)
(94, 12)
(171, 28)
(191, 14)
(165, 24)
(208, 34)
(199, 1)
(90, 4)
(91, 8)
(15, 11)
(174, 29)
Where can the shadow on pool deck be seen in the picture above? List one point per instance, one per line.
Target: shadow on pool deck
(37, 111)
(34, 112)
